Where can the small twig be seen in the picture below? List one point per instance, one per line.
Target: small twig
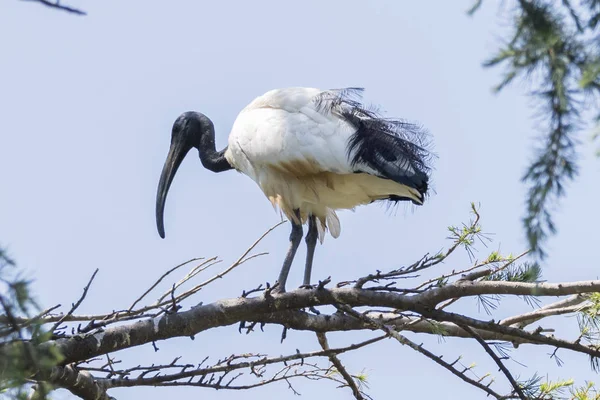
(323, 283)
(228, 365)
(25, 322)
(192, 273)
(340, 367)
(76, 305)
(419, 348)
(159, 280)
(249, 292)
(496, 359)
(475, 275)
(59, 6)
(241, 260)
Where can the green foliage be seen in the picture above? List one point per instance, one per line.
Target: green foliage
(565, 389)
(587, 392)
(438, 328)
(19, 335)
(466, 235)
(589, 325)
(550, 387)
(525, 272)
(557, 51)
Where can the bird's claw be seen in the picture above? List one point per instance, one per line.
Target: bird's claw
(307, 286)
(275, 289)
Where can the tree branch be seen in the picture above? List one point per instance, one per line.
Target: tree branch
(420, 349)
(468, 288)
(80, 383)
(225, 366)
(232, 311)
(340, 367)
(78, 303)
(495, 327)
(497, 360)
(59, 6)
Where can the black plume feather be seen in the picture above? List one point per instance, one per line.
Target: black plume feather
(391, 148)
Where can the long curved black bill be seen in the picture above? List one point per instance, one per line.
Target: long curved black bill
(177, 152)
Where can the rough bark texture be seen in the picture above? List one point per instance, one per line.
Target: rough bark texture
(270, 308)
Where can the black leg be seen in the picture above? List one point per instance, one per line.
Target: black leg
(295, 238)
(311, 243)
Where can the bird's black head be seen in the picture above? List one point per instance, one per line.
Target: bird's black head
(191, 129)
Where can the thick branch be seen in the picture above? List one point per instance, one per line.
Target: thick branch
(303, 321)
(468, 288)
(565, 306)
(231, 311)
(80, 383)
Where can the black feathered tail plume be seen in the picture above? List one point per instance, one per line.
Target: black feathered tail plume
(390, 148)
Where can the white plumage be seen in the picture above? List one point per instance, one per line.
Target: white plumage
(297, 153)
(311, 152)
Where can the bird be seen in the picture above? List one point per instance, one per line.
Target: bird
(311, 152)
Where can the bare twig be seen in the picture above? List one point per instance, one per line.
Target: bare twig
(59, 6)
(497, 360)
(241, 260)
(159, 280)
(337, 363)
(77, 304)
(192, 273)
(473, 272)
(228, 365)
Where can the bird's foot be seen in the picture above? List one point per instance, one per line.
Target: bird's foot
(308, 286)
(319, 286)
(275, 289)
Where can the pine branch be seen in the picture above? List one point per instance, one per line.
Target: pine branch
(550, 48)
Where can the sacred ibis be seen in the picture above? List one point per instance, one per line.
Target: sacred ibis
(311, 152)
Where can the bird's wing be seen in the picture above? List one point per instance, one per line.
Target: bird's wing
(310, 130)
(286, 128)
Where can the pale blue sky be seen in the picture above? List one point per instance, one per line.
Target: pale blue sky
(87, 107)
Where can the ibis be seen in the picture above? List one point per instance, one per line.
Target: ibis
(311, 152)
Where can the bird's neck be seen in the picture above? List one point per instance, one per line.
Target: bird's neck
(212, 159)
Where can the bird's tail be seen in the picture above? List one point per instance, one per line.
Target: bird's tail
(386, 147)
(374, 150)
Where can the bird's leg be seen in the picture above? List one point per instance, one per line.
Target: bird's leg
(295, 238)
(311, 244)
